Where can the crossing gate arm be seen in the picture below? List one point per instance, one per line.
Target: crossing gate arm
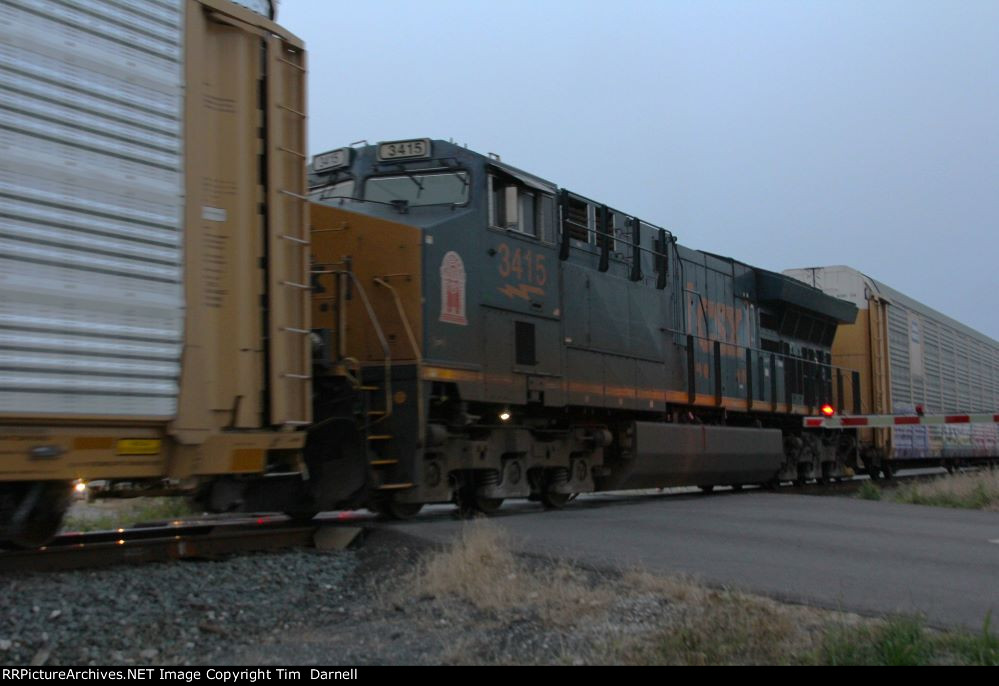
(889, 420)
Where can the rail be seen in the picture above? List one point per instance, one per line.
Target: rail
(160, 542)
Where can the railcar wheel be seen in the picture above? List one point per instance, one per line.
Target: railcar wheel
(707, 488)
(45, 503)
(736, 487)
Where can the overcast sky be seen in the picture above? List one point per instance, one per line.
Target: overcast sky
(781, 133)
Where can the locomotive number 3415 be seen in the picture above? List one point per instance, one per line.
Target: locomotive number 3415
(524, 265)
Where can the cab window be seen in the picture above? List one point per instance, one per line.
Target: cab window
(515, 207)
(447, 188)
(342, 191)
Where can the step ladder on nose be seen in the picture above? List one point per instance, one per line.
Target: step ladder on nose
(379, 441)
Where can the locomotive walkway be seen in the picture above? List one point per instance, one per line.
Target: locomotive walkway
(839, 553)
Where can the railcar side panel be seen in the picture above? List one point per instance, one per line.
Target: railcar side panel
(912, 356)
(92, 193)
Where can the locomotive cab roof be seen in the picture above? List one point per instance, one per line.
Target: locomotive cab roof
(421, 182)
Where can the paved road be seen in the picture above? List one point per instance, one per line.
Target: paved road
(841, 553)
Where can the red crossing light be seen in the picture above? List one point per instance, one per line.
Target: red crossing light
(828, 410)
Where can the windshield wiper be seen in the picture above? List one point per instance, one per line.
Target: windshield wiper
(413, 178)
(402, 206)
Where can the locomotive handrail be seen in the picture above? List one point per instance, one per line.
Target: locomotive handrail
(402, 316)
(827, 373)
(627, 242)
(668, 330)
(373, 318)
(414, 345)
(700, 303)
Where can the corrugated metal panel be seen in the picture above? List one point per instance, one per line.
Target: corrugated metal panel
(91, 201)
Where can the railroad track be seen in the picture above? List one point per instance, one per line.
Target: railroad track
(177, 540)
(854, 484)
(215, 537)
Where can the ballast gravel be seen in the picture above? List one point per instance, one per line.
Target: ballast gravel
(190, 612)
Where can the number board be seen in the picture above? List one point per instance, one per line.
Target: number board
(403, 150)
(333, 159)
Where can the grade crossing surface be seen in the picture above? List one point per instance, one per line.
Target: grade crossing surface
(840, 553)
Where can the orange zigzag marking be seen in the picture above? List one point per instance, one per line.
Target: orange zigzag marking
(523, 291)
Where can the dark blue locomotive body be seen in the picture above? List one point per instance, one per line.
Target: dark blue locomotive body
(514, 339)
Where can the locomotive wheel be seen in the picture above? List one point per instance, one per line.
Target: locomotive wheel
(302, 516)
(402, 511)
(487, 506)
(471, 504)
(465, 499)
(390, 509)
(555, 501)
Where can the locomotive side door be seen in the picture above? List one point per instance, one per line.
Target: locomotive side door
(522, 358)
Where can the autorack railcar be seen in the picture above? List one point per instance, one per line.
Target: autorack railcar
(913, 360)
(153, 317)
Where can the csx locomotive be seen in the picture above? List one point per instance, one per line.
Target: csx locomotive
(481, 334)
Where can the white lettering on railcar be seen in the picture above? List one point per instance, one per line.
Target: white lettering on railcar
(213, 214)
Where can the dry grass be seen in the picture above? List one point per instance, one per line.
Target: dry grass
(972, 490)
(480, 568)
(718, 626)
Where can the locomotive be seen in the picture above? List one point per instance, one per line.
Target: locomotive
(480, 334)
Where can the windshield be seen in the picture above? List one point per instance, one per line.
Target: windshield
(344, 189)
(419, 189)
